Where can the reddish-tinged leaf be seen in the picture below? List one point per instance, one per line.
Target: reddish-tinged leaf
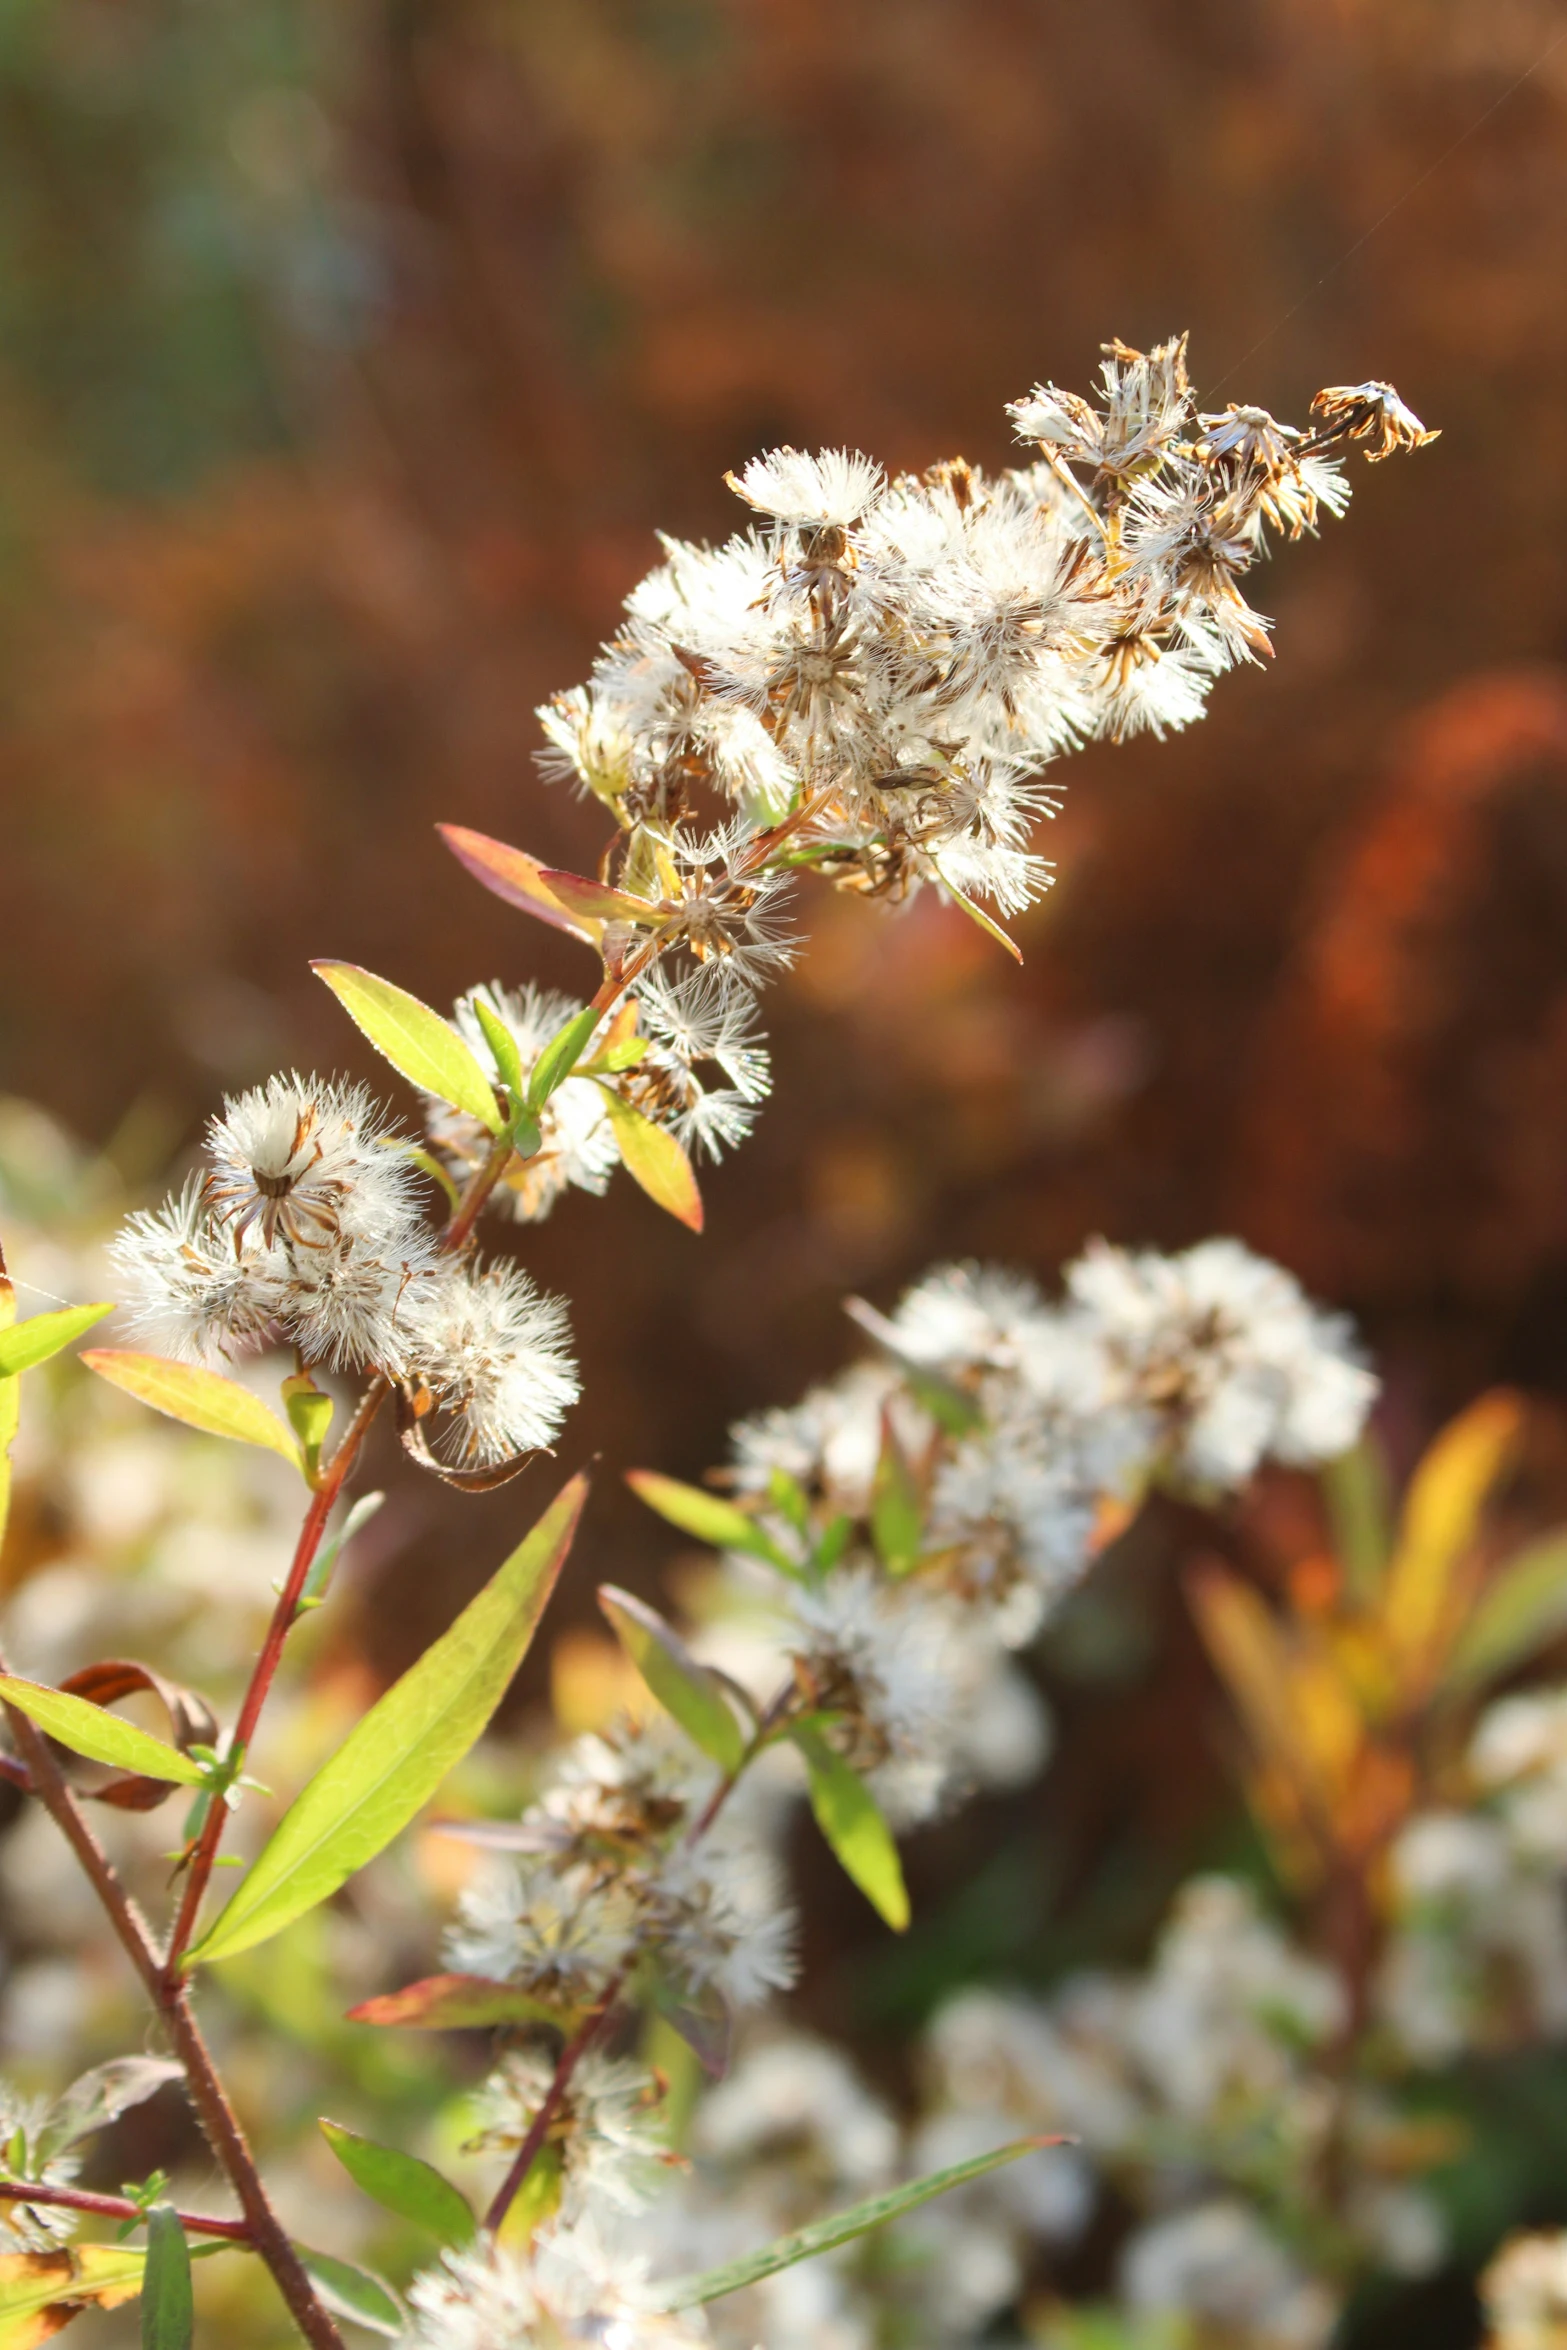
(515, 876)
(592, 901)
(454, 2003)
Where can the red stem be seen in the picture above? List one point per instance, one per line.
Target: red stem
(195, 2223)
(261, 1679)
(566, 2064)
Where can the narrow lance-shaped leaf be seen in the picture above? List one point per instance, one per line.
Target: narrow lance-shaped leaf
(594, 901)
(458, 2003)
(1358, 1493)
(849, 1817)
(516, 877)
(1521, 1608)
(824, 2235)
(201, 1399)
(560, 1056)
(168, 2307)
(897, 1517)
(420, 1045)
(387, 1769)
(709, 1517)
(655, 1160)
(1443, 1509)
(503, 1047)
(352, 2292)
(683, 1687)
(402, 2183)
(28, 1343)
(102, 1737)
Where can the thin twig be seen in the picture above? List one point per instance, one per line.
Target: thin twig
(566, 2064)
(195, 2223)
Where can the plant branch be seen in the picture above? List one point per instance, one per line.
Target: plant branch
(566, 2063)
(219, 2122)
(195, 2223)
(266, 1665)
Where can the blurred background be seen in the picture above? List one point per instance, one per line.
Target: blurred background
(349, 359)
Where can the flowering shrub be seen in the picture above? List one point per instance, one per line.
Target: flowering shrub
(865, 684)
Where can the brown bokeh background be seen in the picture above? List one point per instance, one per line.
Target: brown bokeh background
(350, 359)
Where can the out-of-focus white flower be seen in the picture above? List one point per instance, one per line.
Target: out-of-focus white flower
(566, 2291)
(562, 1933)
(606, 2129)
(879, 1657)
(798, 2099)
(1524, 2294)
(1230, 1354)
(716, 1909)
(1218, 2264)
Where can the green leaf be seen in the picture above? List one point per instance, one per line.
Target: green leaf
(849, 1817)
(319, 1580)
(459, 2003)
(503, 1049)
(387, 1768)
(352, 2292)
(897, 1513)
(684, 1687)
(201, 1399)
(402, 2183)
(709, 1517)
(10, 1415)
(168, 2308)
(1521, 1608)
(1359, 1496)
(654, 1159)
(559, 1057)
(27, 1343)
(824, 2235)
(420, 1045)
(835, 1540)
(102, 1737)
(97, 2098)
(309, 1412)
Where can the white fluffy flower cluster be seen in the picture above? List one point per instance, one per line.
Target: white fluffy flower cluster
(960, 1482)
(1477, 1958)
(308, 1228)
(885, 666)
(567, 2289)
(608, 1876)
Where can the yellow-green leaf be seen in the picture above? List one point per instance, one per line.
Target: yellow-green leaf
(655, 1159)
(709, 1517)
(99, 1735)
(402, 2183)
(849, 1817)
(201, 1399)
(1522, 1608)
(824, 2235)
(387, 1768)
(683, 1686)
(897, 1516)
(351, 2292)
(422, 1046)
(26, 1343)
(1358, 1493)
(1443, 1508)
(78, 2276)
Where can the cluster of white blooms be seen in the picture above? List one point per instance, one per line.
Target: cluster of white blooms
(1477, 1958)
(935, 1504)
(610, 1876)
(566, 2290)
(308, 1227)
(867, 683)
(1200, 2094)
